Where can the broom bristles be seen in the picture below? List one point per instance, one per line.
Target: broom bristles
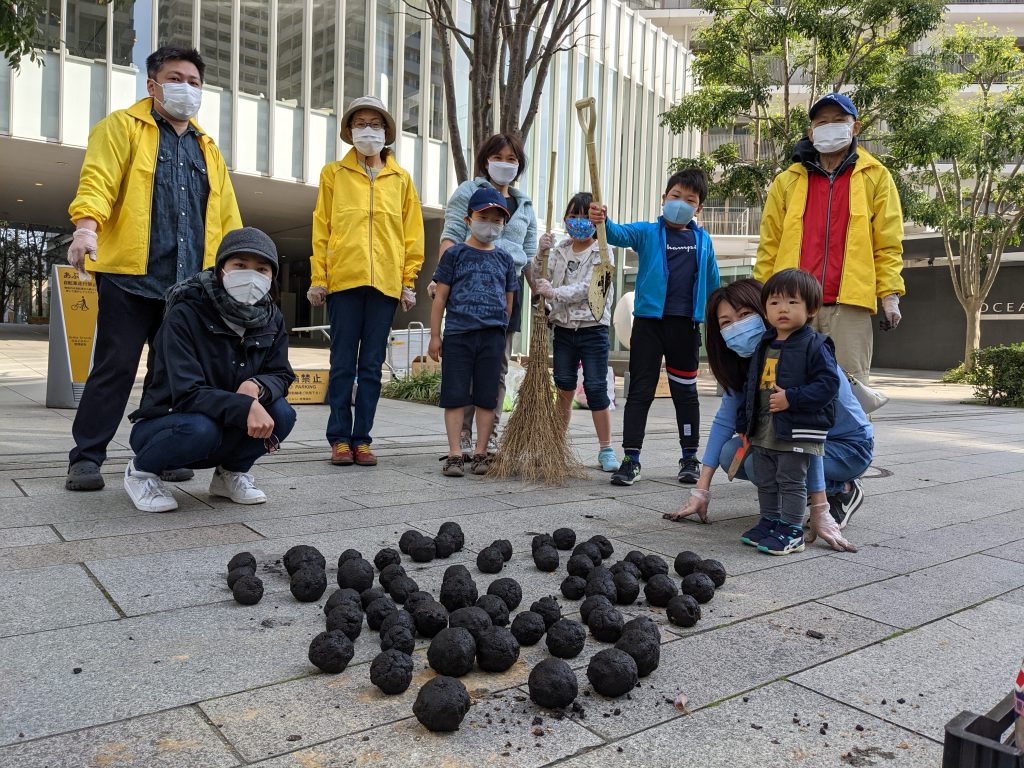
(534, 445)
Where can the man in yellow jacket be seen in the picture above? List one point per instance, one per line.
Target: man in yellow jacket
(154, 200)
(835, 213)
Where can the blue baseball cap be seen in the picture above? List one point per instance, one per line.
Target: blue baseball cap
(486, 198)
(840, 100)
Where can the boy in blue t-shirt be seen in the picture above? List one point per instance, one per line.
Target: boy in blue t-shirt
(476, 283)
(676, 272)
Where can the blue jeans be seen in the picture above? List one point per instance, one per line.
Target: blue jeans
(844, 461)
(360, 325)
(590, 347)
(195, 440)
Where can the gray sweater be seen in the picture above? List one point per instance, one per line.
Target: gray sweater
(520, 236)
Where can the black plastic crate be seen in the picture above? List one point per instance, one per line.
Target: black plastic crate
(973, 741)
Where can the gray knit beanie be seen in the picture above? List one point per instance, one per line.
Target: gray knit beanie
(247, 240)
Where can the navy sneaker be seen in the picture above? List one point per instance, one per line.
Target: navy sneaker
(843, 505)
(689, 471)
(784, 539)
(627, 473)
(763, 528)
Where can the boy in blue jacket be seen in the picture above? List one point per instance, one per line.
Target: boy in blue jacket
(677, 270)
(787, 409)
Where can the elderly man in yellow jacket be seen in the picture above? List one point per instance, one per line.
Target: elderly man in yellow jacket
(835, 213)
(154, 200)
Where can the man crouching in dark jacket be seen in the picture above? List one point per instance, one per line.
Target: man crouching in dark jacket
(216, 394)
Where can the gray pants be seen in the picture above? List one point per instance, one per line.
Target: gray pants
(781, 479)
(470, 413)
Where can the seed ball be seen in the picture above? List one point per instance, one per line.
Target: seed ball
(645, 650)
(624, 566)
(508, 590)
(612, 673)
(441, 704)
(601, 582)
(553, 684)
(445, 546)
(546, 559)
(348, 618)
(430, 619)
(452, 652)
(309, 584)
(603, 545)
(579, 565)
(635, 557)
(248, 590)
(686, 562)
(367, 596)
(489, 560)
(653, 565)
(549, 609)
(236, 573)
(627, 587)
(644, 625)
(472, 618)
(407, 539)
(457, 571)
(541, 540)
(453, 530)
(564, 538)
(458, 593)
(683, 611)
(401, 587)
(423, 550)
(606, 625)
(573, 587)
(496, 649)
(699, 586)
(391, 671)
(386, 557)
(416, 599)
(566, 639)
(331, 651)
(495, 608)
(349, 554)
(528, 627)
(379, 610)
(389, 572)
(399, 638)
(398, 618)
(505, 547)
(356, 574)
(342, 596)
(302, 554)
(592, 603)
(242, 560)
(660, 588)
(714, 570)
(591, 550)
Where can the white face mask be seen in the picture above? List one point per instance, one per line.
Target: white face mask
(832, 137)
(485, 231)
(246, 286)
(368, 141)
(502, 173)
(181, 100)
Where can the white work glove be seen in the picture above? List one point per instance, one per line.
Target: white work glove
(83, 242)
(408, 298)
(317, 295)
(891, 308)
(824, 525)
(546, 242)
(432, 290)
(696, 504)
(544, 289)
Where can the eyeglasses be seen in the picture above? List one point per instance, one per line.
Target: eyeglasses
(271, 444)
(378, 126)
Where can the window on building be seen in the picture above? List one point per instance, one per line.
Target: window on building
(324, 56)
(387, 17)
(174, 22)
(215, 43)
(124, 34)
(86, 29)
(437, 120)
(290, 51)
(412, 93)
(49, 25)
(355, 50)
(253, 39)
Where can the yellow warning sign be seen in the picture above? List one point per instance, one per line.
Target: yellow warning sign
(309, 387)
(78, 301)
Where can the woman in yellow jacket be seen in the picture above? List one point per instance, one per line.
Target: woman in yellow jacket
(367, 252)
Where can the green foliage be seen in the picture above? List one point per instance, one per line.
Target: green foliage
(957, 375)
(19, 29)
(421, 387)
(998, 375)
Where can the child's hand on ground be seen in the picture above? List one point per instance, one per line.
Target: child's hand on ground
(777, 400)
(822, 524)
(544, 289)
(547, 241)
(597, 213)
(434, 349)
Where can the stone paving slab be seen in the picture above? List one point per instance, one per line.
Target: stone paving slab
(28, 536)
(98, 505)
(178, 738)
(38, 599)
(1014, 551)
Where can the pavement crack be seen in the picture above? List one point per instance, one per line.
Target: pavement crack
(103, 591)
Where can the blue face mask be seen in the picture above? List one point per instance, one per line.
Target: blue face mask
(579, 228)
(678, 212)
(743, 336)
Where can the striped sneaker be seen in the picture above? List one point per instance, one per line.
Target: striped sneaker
(763, 528)
(784, 539)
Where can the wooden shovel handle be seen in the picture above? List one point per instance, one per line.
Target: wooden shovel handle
(586, 112)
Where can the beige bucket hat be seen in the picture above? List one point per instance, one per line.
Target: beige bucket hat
(368, 102)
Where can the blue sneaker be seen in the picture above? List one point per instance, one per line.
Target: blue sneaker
(627, 473)
(763, 528)
(606, 458)
(784, 539)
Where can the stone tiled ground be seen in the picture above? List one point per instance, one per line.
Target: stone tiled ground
(923, 622)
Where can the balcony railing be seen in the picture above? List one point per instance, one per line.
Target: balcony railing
(731, 221)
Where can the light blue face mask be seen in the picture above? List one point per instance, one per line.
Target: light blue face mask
(743, 336)
(678, 212)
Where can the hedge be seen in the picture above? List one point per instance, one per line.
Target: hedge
(998, 375)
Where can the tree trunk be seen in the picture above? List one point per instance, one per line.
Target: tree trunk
(972, 341)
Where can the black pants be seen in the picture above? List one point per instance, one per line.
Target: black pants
(677, 339)
(124, 324)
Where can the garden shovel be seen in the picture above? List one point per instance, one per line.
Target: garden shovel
(604, 273)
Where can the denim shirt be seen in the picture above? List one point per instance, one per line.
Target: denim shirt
(177, 225)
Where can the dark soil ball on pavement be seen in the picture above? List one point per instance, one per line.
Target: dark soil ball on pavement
(540, 540)
(644, 625)
(237, 573)
(406, 540)
(495, 608)
(302, 554)
(627, 588)
(601, 582)
(399, 638)
(548, 608)
(564, 538)
(423, 550)
(653, 565)
(686, 562)
(399, 618)
(683, 611)
(349, 554)
(566, 639)
(699, 586)
(660, 588)
(508, 590)
(430, 619)
(624, 566)
(593, 603)
(459, 592)
(367, 596)
(553, 684)
(390, 572)
(348, 618)
(612, 673)
(645, 650)
(331, 651)
(343, 596)
(573, 587)
(635, 557)
(379, 610)
(457, 571)
(489, 560)
(452, 652)
(472, 618)
(248, 590)
(591, 550)
(496, 649)
(401, 587)
(445, 545)
(386, 557)
(606, 624)
(309, 584)
(356, 574)
(714, 570)
(603, 545)
(242, 560)
(546, 559)
(453, 530)
(528, 627)
(441, 704)
(391, 671)
(505, 547)
(416, 599)
(579, 565)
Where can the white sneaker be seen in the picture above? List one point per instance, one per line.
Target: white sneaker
(240, 487)
(147, 491)
(492, 445)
